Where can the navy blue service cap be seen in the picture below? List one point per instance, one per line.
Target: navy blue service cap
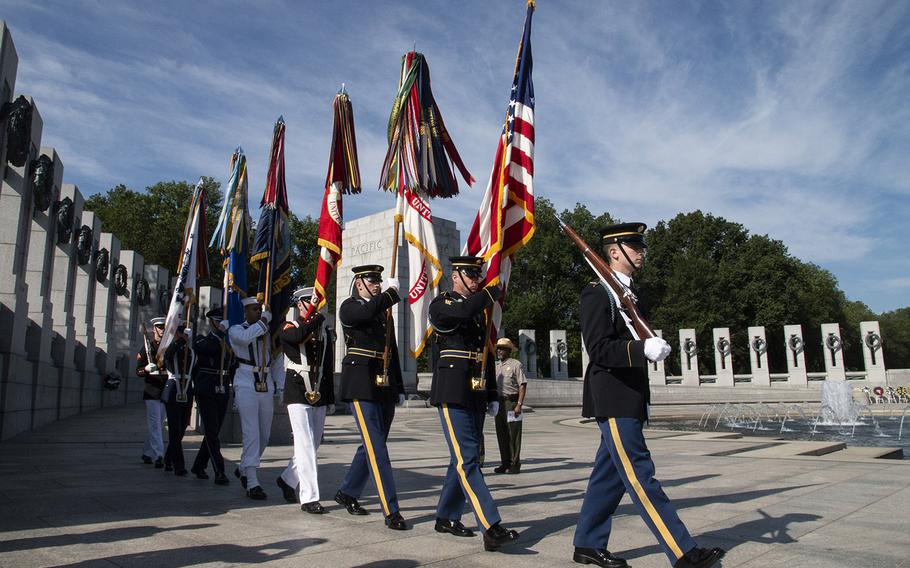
(469, 265)
(632, 233)
(216, 313)
(367, 270)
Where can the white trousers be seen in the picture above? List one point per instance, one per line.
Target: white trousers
(154, 440)
(307, 423)
(256, 410)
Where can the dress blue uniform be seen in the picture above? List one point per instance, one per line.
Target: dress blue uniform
(371, 395)
(462, 392)
(616, 394)
(179, 359)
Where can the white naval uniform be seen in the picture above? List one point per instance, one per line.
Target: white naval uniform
(256, 408)
(154, 441)
(308, 424)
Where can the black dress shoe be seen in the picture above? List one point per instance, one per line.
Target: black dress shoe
(598, 556)
(700, 558)
(200, 473)
(396, 522)
(350, 503)
(290, 494)
(221, 479)
(242, 478)
(180, 472)
(159, 463)
(256, 493)
(168, 467)
(513, 470)
(314, 508)
(496, 536)
(501, 469)
(452, 527)
(146, 459)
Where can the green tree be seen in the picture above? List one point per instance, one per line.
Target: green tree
(546, 281)
(895, 326)
(152, 222)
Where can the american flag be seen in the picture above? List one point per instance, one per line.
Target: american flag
(505, 221)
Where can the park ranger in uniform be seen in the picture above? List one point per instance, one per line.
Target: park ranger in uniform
(462, 392)
(309, 391)
(371, 392)
(254, 390)
(616, 394)
(212, 380)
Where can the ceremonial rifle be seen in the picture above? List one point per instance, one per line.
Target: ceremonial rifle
(610, 281)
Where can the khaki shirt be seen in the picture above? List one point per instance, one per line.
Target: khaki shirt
(509, 376)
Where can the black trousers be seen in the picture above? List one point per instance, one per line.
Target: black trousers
(178, 418)
(212, 408)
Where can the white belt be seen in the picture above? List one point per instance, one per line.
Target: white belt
(252, 369)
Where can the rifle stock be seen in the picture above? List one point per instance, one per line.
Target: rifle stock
(608, 278)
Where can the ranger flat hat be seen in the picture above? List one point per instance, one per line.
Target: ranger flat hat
(505, 343)
(470, 265)
(302, 293)
(367, 270)
(215, 313)
(632, 233)
(159, 321)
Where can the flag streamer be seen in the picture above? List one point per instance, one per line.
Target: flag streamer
(232, 239)
(343, 178)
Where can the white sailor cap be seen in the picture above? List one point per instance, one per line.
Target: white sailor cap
(302, 293)
(157, 321)
(249, 301)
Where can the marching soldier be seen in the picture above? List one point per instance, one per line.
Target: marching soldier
(512, 385)
(155, 379)
(616, 394)
(212, 380)
(462, 392)
(179, 360)
(371, 392)
(254, 389)
(309, 391)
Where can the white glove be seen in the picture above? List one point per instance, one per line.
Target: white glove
(390, 283)
(656, 349)
(222, 325)
(493, 408)
(188, 333)
(151, 368)
(401, 399)
(266, 316)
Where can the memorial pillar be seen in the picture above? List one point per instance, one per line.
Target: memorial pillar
(17, 371)
(84, 310)
(559, 354)
(796, 355)
(656, 373)
(211, 297)
(527, 352)
(68, 213)
(833, 350)
(108, 252)
(688, 357)
(873, 354)
(44, 182)
(125, 337)
(758, 357)
(723, 357)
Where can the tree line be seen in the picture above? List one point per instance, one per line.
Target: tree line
(701, 272)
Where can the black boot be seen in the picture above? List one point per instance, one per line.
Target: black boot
(496, 536)
(256, 493)
(290, 494)
(700, 558)
(598, 556)
(452, 527)
(396, 522)
(350, 503)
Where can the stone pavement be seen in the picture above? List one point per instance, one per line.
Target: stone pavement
(74, 494)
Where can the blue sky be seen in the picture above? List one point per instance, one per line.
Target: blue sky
(788, 117)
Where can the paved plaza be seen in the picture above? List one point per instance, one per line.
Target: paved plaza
(74, 493)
